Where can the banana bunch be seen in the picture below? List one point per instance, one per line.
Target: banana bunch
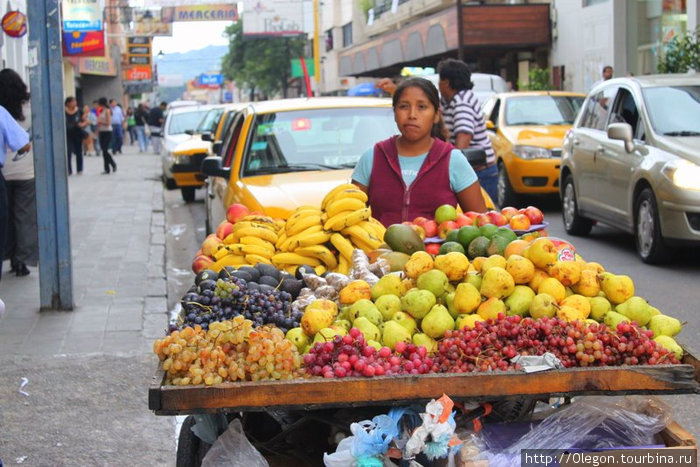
(301, 242)
(251, 241)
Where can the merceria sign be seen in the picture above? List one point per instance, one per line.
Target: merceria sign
(223, 12)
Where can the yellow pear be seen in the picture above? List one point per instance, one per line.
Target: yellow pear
(478, 262)
(599, 308)
(537, 278)
(355, 291)
(617, 288)
(588, 285)
(541, 252)
(467, 321)
(454, 264)
(581, 303)
(593, 266)
(491, 308)
(520, 268)
(543, 305)
(670, 344)
(493, 261)
(552, 287)
(497, 283)
(417, 264)
(566, 272)
(323, 304)
(569, 313)
(467, 298)
(315, 319)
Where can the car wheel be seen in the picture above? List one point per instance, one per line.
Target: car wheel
(506, 195)
(647, 229)
(169, 183)
(187, 193)
(573, 222)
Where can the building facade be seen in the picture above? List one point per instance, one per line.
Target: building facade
(14, 51)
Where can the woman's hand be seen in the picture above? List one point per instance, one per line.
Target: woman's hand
(471, 199)
(386, 85)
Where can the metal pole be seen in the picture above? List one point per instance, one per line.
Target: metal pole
(460, 30)
(49, 142)
(317, 57)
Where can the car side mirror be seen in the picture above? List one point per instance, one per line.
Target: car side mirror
(476, 157)
(212, 167)
(216, 147)
(622, 132)
(490, 125)
(207, 137)
(189, 132)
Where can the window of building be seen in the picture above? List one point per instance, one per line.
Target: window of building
(329, 40)
(592, 2)
(347, 35)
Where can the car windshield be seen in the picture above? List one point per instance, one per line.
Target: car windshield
(542, 110)
(315, 139)
(182, 121)
(210, 121)
(674, 110)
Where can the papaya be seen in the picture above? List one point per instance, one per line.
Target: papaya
(403, 238)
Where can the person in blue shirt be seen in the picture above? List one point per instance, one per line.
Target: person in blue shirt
(13, 139)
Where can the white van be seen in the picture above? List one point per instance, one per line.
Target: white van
(485, 85)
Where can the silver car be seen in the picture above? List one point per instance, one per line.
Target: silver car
(632, 160)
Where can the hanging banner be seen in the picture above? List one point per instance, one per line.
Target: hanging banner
(148, 24)
(276, 18)
(222, 12)
(84, 44)
(14, 24)
(81, 15)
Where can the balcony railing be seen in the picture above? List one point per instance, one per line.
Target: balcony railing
(382, 6)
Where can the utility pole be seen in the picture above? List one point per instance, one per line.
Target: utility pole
(460, 30)
(317, 57)
(49, 143)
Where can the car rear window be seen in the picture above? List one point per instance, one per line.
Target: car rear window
(315, 139)
(182, 121)
(674, 111)
(542, 110)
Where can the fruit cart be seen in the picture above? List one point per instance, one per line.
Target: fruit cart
(320, 400)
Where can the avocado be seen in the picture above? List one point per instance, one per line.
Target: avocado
(266, 288)
(254, 273)
(253, 286)
(303, 269)
(403, 238)
(268, 270)
(226, 272)
(207, 285)
(240, 274)
(477, 247)
(497, 245)
(205, 275)
(268, 280)
(448, 247)
(292, 286)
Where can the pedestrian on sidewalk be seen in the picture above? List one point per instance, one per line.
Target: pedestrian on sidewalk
(118, 121)
(75, 124)
(130, 125)
(95, 111)
(140, 127)
(104, 129)
(155, 123)
(22, 241)
(89, 141)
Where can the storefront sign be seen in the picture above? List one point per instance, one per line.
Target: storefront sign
(138, 87)
(138, 73)
(210, 79)
(14, 24)
(81, 15)
(284, 18)
(84, 44)
(223, 12)
(138, 60)
(102, 66)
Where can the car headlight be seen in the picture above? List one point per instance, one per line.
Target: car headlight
(532, 152)
(683, 174)
(181, 158)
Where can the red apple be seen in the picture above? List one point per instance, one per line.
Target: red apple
(201, 262)
(497, 218)
(431, 228)
(509, 211)
(235, 212)
(534, 214)
(445, 228)
(433, 248)
(210, 245)
(420, 220)
(520, 222)
(463, 220)
(224, 229)
(482, 219)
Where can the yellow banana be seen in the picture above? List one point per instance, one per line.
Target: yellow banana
(300, 213)
(229, 260)
(343, 246)
(334, 191)
(347, 219)
(343, 265)
(258, 250)
(320, 252)
(358, 233)
(281, 239)
(279, 223)
(258, 219)
(260, 232)
(320, 269)
(290, 268)
(236, 248)
(380, 229)
(352, 193)
(369, 227)
(246, 224)
(295, 258)
(344, 204)
(251, 240)
(255, 259)
(316, 238)
(221, 252)
(362, 245)
(301, 224)
(308, 231)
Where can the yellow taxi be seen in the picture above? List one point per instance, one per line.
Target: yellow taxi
(186, 158)
(527, 130)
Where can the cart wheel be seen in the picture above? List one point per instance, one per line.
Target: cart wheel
(190, 449)
(513, 410)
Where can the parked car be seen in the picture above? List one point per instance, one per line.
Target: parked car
(187, 156)
(178, 121)
(632, 161)
(485, 85)
(526, 130)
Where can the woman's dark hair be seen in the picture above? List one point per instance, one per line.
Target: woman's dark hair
(13, 93)
(68, 100)
(439, 129)
(102, 101)
(456, 72)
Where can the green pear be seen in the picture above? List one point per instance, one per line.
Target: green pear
(613, 318)
(406, 320)
(474, 278)
(497, 282)
(343, 323)
(590, 321)
(663, 325)
(393, 333)
(654, 311)
(375, 344)
(388, 305)
(387, 285)
(417, 302)
(437, 321)
(380, 326)
(372, 314)
(426, 341)
(670, 344)
(344, 313)
(369, 330)
(298, 338)
(449, 299)
(599, 307)
(467, 298)
(543, 305)
(518, 303)
(325, 335)
(636, 309)
(434, 281)
(467, 321)
(362, 304)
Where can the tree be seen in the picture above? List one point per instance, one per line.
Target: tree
(681, 54)
(538, 80)
(260, 63)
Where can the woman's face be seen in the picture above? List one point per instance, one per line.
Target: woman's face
(72, 104)
(414, 114)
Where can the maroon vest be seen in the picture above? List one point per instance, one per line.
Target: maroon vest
(391, 201)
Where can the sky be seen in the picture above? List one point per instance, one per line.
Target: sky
(191, 36)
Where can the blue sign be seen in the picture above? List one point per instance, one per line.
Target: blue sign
(228, 96)
(211, 79)
(82, 25)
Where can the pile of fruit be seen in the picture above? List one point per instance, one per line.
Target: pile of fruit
(322, 238)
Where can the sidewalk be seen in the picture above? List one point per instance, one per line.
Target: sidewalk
(89, 369)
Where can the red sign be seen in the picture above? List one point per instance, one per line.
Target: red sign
(138, 73)
(84, 44)
(14, 23)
